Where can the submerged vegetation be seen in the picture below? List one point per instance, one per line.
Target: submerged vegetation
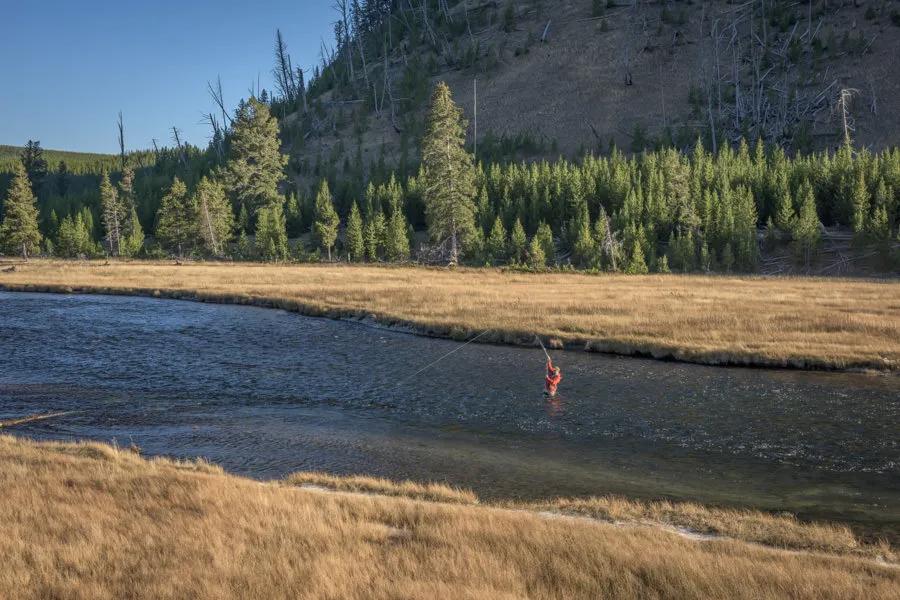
(793, 322)
(81, 521)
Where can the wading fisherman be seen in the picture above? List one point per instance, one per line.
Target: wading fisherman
(554, 376)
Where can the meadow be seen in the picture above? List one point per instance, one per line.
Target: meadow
(92, 521)
(735, 320)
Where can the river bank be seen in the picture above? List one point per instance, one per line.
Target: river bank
(81, 521)
(803, 323)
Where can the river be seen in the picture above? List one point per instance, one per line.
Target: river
(264, 393)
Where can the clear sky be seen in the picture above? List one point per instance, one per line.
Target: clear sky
(68, 66)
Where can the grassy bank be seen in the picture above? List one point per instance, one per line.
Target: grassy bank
(789, 322)
(90, 521)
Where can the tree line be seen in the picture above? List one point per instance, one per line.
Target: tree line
(656, 211)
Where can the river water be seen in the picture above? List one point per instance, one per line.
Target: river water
(265, 393)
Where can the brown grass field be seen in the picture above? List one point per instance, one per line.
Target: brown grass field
(782, 322)
(91, 521)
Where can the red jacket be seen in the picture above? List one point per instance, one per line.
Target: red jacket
(553, 378)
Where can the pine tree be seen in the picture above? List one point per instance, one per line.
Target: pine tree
(132, 239)
(112, 214)
(396, 242)
(293, 216)
(662, 264)
(74, 239)
(255, 165)
(636, 264)
(327, 223)
(176, 226)
(244, 249)
(784, 214)
(807, 228)
(215, 221)
(271, 233)
(544, 236)
(859, 200)
(375, 232)
(518, 242)
(536, 257)
(497, 242)
(727, 258)
(356, 242)
(32, 158)
(878, 227)
(19, 233)
(243, 221)
(585, 248)
(449, 173)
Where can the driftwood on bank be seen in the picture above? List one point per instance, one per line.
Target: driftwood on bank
(32, 419)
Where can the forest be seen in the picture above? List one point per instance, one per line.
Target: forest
(247, 196)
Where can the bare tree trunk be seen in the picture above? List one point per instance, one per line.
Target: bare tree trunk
(121, 126)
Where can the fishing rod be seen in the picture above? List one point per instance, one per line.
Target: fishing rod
(547, 354)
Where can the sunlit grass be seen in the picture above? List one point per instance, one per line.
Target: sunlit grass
(799, 322)
(91, 521)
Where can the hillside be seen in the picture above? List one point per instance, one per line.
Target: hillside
(632, 74)
(76, 162)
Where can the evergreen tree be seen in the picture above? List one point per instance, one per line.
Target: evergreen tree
(112, 214)
(585, 250)
(727, 259)
(271, 233)
(859, 200)
(244, 249)
(176, 226)
(544, 236)
(132, 239)
(215, 221)
(536, 257)
(255, 165)
(356, 242)
(19, 232)
(518, 242)
(375, 233)
(878, 226)
(32, 158)
(636, 264)
(396, 246)
(293, 215)
(807, 228)
(327, 223)
(448, 172)
(785, 215)
(243, 221)
(74, 239)
(662, 264)
(497, 242)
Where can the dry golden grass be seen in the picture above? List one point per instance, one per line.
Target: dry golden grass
(799, 322)
(89, 521)
(432, 492)
(779, 530)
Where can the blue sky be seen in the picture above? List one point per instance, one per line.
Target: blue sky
(68, 67)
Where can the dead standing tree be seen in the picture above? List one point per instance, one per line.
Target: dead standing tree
(770, 99)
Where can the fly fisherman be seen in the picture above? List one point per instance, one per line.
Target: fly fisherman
(554, 376)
